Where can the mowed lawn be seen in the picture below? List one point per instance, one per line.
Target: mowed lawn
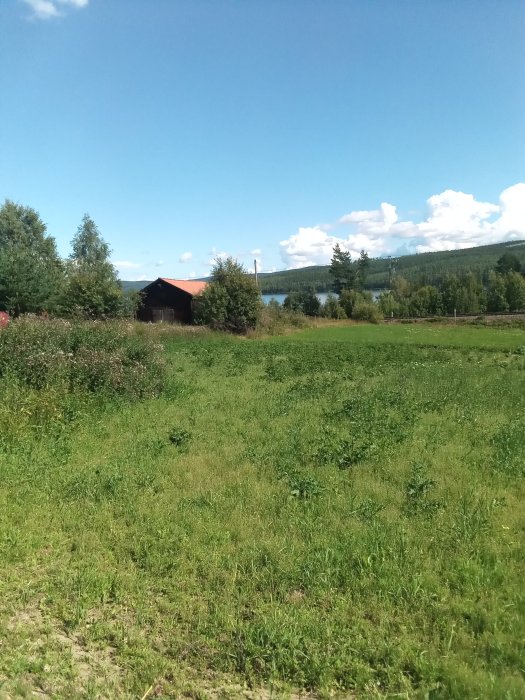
(297, 514)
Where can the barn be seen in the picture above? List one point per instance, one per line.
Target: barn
(169, 301)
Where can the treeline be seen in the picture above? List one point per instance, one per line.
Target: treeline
(34, 279)
(420, 270)
(501, 290)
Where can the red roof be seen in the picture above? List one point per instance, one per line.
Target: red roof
(189, 286)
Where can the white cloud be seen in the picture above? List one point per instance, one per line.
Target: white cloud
(217, 255)
(511, 222)
(455, 220)
(159, 263)
(310, 246)
(192, 275)
(256, 251)
(75, 3)
(47, 9)
(186, 257)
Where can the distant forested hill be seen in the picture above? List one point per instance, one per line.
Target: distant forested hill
(424, 268)
(133, 285)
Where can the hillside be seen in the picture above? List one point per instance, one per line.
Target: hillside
(424, 268)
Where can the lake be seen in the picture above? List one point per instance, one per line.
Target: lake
(321, 296)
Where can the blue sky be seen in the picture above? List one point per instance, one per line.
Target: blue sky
(265, 128)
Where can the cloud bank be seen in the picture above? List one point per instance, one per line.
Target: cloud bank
(455, 220)
(48, 9)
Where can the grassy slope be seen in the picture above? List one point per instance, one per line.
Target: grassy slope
(337, 515)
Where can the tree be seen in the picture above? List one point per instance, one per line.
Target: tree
(332, 308)
(388, 304)
(426, 301)
(515, 291)
(93, 289)
(497, 293)
(342, 270)
(305, 302)
(31, 273)
(472, 298)
(363, 265)
(451, 294)
(350, 298)
(231, 301)
(508, 263)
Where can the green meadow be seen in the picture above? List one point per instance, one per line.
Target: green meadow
(333, 513)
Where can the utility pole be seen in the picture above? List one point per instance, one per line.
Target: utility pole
(255, 268)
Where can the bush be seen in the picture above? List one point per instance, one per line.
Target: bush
(276, 320)
(366, 311)
(350, 297)
(104, 358)
(231, 301)
(332, 308)
(305, 302)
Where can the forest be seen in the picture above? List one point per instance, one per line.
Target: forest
(421, 269)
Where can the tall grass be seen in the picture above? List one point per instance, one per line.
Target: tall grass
(333, 516)
(50, 369)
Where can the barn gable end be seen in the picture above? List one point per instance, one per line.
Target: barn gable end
(169, 301)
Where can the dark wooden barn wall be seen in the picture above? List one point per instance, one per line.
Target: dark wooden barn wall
(163, 302)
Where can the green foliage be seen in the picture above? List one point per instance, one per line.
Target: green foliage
(497, 293)
(31, 274)
(417, 490)
(342, 270)
(231, 301)
(106, 359)
(508, 263)
(180, 437)
(349, 298)
(332, 308)
(305, 302)
(425, 301)
(93, 290)
(421, 269)
(274, 319)
(363, 266)
(366, 311)
(515, 291)
(389, 305)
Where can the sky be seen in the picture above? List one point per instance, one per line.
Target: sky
(265, 129)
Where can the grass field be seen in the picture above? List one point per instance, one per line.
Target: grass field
(339, 511)
(432, 334)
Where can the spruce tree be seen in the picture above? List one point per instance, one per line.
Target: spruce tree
(342, 270)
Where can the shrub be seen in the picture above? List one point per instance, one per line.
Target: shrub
(276, 320)
(95, 357)
(366, 311)
(350, 297)
(332, 308)
(305, 302)
(231, 301)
